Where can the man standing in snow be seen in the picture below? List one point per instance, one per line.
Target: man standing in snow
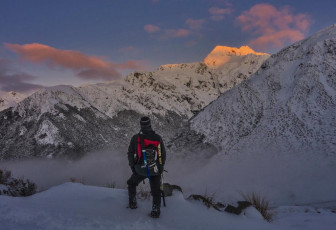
(146, 157)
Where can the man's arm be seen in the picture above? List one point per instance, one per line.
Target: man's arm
(163, 152)
(132, 151)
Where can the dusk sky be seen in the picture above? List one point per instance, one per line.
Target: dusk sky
(44, 42)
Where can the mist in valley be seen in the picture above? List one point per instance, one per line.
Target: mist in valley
(282, 178)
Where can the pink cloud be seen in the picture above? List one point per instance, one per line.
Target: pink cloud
(217, 14)
(151, 28)
(39, 53)
(135, 65)
(176, 33)
(87, 67)
(273, 27)
(195, 24)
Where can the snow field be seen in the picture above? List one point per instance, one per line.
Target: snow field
(77, 206)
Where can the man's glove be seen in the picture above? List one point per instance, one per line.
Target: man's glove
(161, 169)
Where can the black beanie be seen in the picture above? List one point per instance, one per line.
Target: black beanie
(145, 123)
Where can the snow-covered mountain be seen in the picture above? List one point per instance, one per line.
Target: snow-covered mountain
(234, 63)
(10, 99)
(65, 120)
(288, 105)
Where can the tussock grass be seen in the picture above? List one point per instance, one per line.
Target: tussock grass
(260, 203)
(80, 181)
(111, 184)
(208, 201)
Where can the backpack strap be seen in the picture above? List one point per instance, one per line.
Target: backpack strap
(139, 148)
(159, 154)
(144, 154)
(141, 142)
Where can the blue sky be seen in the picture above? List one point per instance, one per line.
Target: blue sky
(44, 42)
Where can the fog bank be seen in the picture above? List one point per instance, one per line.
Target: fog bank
(284, 179)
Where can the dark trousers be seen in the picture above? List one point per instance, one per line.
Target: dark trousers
(155, 183)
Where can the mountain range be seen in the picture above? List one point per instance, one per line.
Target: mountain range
(236, 101)
(67, 121)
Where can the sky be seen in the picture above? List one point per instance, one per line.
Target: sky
(74, 42)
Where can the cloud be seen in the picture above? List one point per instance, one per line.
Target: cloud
(12, 80)
(87, 67)
(195, 24)
(176, 33)
(273, 27)
(218, 14)
(192, 27)
(129, 50)
(151, 28)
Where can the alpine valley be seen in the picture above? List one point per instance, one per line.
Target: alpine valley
(239, 125)
(65, 121)
(226, 104)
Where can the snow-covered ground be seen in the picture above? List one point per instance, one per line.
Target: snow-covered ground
(76, 206)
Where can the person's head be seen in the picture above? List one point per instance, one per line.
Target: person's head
(145, 123)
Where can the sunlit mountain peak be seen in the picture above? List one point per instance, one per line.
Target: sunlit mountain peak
(223, 54)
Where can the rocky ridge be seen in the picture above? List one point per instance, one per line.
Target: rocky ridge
(10, 99)
(287, 106)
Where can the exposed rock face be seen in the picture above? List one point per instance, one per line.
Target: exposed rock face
(60, 123)
(288, 106)
(64, 121)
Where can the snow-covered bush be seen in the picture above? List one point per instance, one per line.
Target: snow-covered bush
(15, 187)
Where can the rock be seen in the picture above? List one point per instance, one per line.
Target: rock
(168, 189)
(237, 210)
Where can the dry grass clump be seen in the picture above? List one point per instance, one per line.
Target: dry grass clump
(208, 201)
(260, 203)
(111, 184)
(82, 180)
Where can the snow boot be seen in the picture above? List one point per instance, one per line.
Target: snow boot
(132, 204)
(155, 213)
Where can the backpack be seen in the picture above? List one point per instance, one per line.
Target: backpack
(149, 154)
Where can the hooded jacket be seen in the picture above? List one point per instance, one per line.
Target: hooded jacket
(148, 134)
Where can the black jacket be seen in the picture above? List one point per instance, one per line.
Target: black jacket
(133, 147)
